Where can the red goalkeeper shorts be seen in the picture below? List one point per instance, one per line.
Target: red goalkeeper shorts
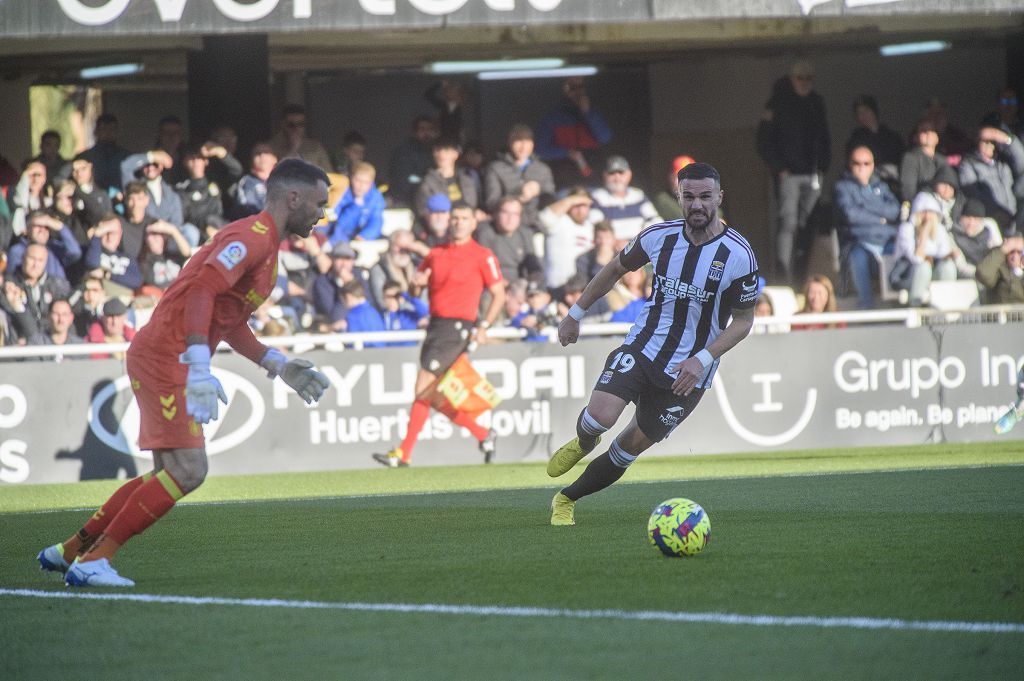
(160, 391)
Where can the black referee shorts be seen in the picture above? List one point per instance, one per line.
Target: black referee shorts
(446, 339)
(633, 377)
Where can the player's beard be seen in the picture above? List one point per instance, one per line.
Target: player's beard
(698, 219)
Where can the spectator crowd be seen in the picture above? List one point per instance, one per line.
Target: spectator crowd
(89, 244)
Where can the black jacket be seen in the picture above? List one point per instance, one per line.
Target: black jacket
(796, 137)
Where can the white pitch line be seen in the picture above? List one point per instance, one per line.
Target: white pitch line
(553, 613)
(488, 490)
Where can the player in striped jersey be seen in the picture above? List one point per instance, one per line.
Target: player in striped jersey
(702, 305)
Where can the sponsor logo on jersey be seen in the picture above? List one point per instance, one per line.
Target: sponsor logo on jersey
(748, 289)
(680, 289)
(232, 254)
(716, 271)
(606, 377)
(259, 227)
(672, 416)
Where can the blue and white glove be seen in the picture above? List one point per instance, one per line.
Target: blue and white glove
(298, 374)
(202, 390)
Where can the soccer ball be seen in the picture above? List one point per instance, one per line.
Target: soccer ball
(679, 527)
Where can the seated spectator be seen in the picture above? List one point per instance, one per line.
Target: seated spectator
(515, 300)
(985, 176)
(511, 244)
(360, 211)
(361, 317)
(403, 311)
(666, 202)
(300, 262)
(291, 140)
(38, 289)
(763, 306)
(627, 208)
(819, 298)
(472, 161)
(353, 151)
(159, 266)
(594, 260)
(91, 202)
(540, 314)
(569, 233)
(1001, 273)
(44, 229)
(433, 231)
(396, 265)
(87, 303)
(49, 156)
(446, 178)
(201, 200)
(410, 162)
(106, 257)
(866, 213)
(60, 329)
(33, 192)
(946, 190)
(164, 202)
(328, 301)
(111, 328)
(106, 156)
(571, 292)
(136, 218)
(17, 322)
(629, 296)
(64, 210)
(251, 191)
(886, 144)
(520, 174)
(924, 250)
(975, 236)
(922, 161)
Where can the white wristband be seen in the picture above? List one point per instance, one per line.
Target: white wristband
(705, 358)
(577, 312)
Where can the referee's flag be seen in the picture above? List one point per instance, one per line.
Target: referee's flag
(462, 389)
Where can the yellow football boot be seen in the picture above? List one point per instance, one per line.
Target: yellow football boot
(562, 510)
(567, 456)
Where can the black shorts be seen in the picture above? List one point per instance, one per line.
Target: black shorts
(633, 377)
(446, 339)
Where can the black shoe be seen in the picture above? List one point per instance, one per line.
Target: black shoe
(392, 459)
(488, 445)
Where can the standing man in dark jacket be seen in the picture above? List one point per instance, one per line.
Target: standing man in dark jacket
(793, 139)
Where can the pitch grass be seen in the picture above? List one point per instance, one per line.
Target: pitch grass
(941, 544)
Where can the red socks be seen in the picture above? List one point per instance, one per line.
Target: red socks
(417, 417)
(145, 506)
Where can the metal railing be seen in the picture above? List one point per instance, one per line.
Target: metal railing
(339, 342)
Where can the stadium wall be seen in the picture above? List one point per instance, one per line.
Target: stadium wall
(77, 420)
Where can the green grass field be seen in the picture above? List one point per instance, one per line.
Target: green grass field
(896, 536)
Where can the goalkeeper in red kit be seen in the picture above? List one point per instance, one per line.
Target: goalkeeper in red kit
(168, 363)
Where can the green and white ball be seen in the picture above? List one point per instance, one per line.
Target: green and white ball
(679, 527)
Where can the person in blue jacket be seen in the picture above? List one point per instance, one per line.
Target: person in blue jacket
(402, 311)
(360, 211)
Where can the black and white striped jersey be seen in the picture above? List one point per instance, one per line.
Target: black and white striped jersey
(695, 288)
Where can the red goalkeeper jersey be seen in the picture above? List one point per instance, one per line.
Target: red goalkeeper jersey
(244, 254)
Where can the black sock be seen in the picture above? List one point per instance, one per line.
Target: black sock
(587, 441)
(599, 474)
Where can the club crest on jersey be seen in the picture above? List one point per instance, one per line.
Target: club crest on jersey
(716, 271)
(232, 254)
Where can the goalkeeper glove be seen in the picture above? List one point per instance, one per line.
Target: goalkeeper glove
(298, 374)
(202, 389)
